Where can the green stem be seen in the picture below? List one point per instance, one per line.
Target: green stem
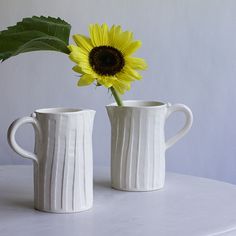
(117, 97)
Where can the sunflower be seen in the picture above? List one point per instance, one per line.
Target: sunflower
(105, 57)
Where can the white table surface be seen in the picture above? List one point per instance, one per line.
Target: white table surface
(187, 206)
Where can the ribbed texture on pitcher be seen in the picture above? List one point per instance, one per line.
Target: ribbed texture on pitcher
(137, 148)
(64, 175)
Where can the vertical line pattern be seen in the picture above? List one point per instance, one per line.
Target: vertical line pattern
(122, 141)
(45, 170)
(114, 127)
(84, 159)
(144, 151)
(73, 184)
(77, 170)
(51, 160)
(63, 173)
(129, 153)
(50, 183)
(154, 145)
(68, 174)
(55, 165)
(80, 161)
(65, 170)
(147, 150)
(126, 157)
(115, 153)
(150, 145)
(137, 149)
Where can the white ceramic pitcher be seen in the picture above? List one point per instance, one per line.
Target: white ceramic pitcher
(63, 168)
(138, 143)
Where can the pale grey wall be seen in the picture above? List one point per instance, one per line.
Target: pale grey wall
(190, 46)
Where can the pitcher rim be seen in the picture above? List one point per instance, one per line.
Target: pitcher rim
(150, 104)
(62, 111)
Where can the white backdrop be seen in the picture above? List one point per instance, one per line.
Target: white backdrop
(190, 46)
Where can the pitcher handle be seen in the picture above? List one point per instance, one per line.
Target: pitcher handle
(12, 139)
(188, 123)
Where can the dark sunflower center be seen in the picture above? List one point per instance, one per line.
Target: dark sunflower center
(106, 60)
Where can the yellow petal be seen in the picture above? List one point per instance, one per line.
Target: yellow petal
(132, 73)
(83, 41)
(75, 57)
(106, 81)
(136, 63)
(115, 29)
(78, 54)
(77, 69)
(85, 80)
(86, 68)
(82, 51)
(93, 35)
(123, 76)
(78, 58)
(118, 39)
(104, 32)
(132, 47)
(99, 34)
(72, 48)
(113, 33)
(123, 41)
(121, 86)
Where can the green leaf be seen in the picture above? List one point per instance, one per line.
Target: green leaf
(35, 34)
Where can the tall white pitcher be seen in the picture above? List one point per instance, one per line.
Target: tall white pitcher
(63, 166)
(138, 143)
